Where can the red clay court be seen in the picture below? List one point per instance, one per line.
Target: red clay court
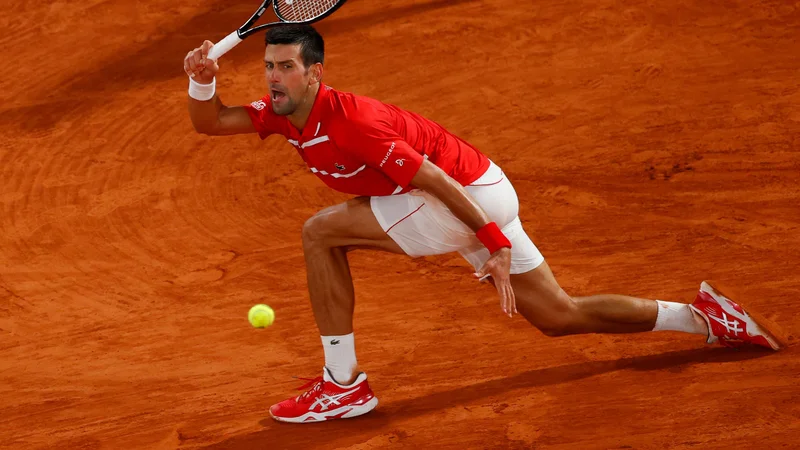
(653, 145)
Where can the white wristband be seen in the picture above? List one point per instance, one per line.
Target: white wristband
(202, 92)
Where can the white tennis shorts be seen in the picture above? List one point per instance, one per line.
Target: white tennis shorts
(422, 225)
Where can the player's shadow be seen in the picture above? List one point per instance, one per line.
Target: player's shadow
(323, 435)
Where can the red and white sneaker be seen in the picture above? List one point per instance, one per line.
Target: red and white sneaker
(326, 399)
(728, 323)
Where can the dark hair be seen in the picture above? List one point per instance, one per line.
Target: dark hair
(312, 46)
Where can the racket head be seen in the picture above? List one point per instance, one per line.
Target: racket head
(304, 11)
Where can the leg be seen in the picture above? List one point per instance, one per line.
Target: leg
(327, 237)
(548, 307)
(342, 391)
(539, 297)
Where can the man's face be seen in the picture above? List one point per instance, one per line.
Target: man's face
(288, 79)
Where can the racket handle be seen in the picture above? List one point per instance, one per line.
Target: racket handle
(224, 46)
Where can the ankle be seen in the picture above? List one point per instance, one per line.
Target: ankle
(340, 358)
(347, 380)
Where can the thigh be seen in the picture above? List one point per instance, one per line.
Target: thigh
(350, 224)
(420, 224)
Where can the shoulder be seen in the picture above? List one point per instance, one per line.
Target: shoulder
(352, 112)
(262, 104)
(265, 119)
(261, 109)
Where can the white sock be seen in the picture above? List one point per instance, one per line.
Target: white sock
(678, 317)
(340, 357)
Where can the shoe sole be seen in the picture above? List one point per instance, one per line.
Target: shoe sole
(345, 412)
(767, 328)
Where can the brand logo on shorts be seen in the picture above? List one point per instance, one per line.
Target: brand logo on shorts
(339, 166)
(399, 162)
(258, 105)
(386, 158)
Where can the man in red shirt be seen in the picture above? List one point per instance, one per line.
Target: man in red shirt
(420, 191)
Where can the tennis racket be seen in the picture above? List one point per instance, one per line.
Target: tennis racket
(287, 11)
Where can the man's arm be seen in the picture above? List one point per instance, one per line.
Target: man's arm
(215, 119)
(381, 148)
(377, 144)
(209, 116)
(430, 178)
(435, 181)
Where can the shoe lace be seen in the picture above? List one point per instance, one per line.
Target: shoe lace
(314, 386)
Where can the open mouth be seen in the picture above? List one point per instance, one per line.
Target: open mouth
(277, 95)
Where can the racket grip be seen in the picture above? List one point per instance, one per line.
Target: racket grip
(224, 46)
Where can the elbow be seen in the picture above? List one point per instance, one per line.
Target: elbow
(206, 130)
(430, 178)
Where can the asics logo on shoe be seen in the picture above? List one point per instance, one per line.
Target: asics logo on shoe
(325, 401)
(334, 342)
(731, 326)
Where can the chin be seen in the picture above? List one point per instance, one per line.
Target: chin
(282, 111)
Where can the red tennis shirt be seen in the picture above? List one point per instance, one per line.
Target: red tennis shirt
(361, 146)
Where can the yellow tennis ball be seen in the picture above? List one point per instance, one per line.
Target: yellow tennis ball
(261, 316)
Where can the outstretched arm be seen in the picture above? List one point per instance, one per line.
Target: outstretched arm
(434, 180)
(209, 116)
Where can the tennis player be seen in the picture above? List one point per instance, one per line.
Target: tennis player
(419, 190)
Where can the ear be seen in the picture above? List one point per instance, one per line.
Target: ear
(316, 73)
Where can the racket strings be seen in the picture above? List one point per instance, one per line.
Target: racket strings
(302, 10)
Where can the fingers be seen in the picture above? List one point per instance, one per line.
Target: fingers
(512, 300)
(502, 292)
(506, 292)
(192, 63)
(187, 67)
(507, 298)
(498, 272)
(196, 61)
(199, 60)
(482, 278)
(206, 47)
(481, 275)
(211, 66)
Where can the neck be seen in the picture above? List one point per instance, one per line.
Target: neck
(300, 115)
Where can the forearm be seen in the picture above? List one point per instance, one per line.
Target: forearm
(457, 199)
(205, 114)
(434, 180)
(462, 205)
(206, 111)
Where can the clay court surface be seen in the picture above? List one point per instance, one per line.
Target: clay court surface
(653, 145)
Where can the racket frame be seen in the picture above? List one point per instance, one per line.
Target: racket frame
(236, 37)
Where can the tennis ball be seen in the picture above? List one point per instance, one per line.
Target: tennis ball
(261, 316)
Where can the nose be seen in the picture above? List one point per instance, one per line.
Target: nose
(272, 76)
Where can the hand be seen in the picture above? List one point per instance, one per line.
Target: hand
(498, 267)
(198, 66)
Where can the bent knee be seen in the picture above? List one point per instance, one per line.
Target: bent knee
(553, 329)
(557, 327)
(315, 231)
(559, 317)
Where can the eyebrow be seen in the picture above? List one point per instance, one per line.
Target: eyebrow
(280, 62)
